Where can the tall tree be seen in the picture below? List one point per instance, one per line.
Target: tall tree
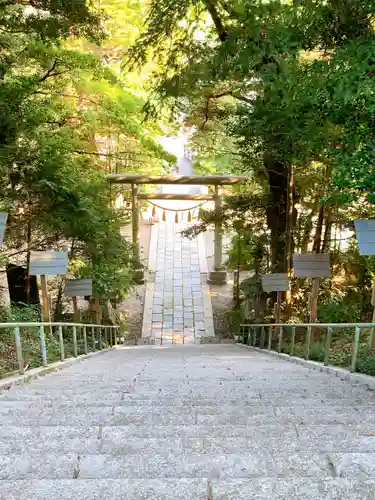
(282, 64)
(57, 104)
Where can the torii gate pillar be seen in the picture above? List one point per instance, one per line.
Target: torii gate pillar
(219, 275)
(136, 222)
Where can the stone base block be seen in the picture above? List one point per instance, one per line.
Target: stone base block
(209, 340)
(146, 341)
(227, 341)
(139, 276)
(217, 277)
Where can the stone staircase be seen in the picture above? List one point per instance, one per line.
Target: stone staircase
(208, 422)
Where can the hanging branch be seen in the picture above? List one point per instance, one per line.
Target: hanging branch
(51, 72)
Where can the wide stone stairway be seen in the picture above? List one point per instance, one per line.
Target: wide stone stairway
(208, 422)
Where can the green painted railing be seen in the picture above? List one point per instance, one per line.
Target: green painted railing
(96, 334)
(264, 336)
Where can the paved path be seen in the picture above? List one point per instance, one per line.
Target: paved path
(178, 315)
(178, 307)
(187, 423)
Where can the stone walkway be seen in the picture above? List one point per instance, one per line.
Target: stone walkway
(187, 423)
(179, 315)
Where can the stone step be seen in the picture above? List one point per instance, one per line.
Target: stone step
(360, 466)
(220, 386)
(202, 439)
(189, 489)
(222, 391)
(266, 430)
(159, 423)
(127, 399)
(78, 415)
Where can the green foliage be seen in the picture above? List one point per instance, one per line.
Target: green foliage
(366, 364)
(68, 119)
(110, 263)
(339, 312)
(24, 313)
(248, 251)
(30, 337)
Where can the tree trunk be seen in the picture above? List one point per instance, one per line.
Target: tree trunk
(277, 211)
(290, 238)
(290, 220)
(58, 306)
(327, 233)
(319, 231)
(306, 231)
(28, 254)
(318, 246)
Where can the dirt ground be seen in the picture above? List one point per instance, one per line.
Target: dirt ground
(132, 306)
(222, 304)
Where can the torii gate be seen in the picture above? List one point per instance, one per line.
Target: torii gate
(218, 276)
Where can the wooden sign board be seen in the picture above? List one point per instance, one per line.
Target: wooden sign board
(275, 282)
(3, 223)
(312, 265)
(78, 288)
(365, 231)
(48, 263)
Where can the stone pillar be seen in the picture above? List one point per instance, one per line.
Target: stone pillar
(136, 222)
(218, 276)
(218, 229)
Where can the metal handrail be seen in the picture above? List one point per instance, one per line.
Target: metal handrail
(309, 326)
(84, 327)
(58, 323)
(317, 325)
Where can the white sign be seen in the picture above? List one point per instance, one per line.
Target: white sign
(312, 265)
(275, 282)
(365, 231)
(48, 263)
(78, 288)
(3, 223)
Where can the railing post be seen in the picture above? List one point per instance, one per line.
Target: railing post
(43, 345)
(105, 335)
(355, 348)
(280, 338)
(292, 347)
(61, 340)
(100, 340)
(85, 339)
(269, 338)
(255, 337)
(308, 342)
(17, 338)
(262, 337)
(93, 338)
(328, 345)
(75, 349)
(115, 334)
